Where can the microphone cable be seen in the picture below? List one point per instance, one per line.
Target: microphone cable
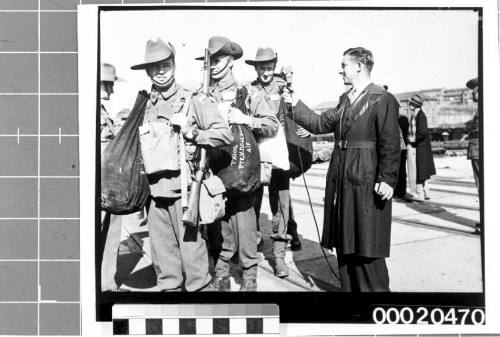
(311, 206)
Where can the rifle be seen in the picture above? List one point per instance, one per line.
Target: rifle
(191, 215)
(184, 190)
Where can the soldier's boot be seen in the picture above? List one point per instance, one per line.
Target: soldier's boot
(280, 266)
(220, 283)
(295, 243)
(249, 285)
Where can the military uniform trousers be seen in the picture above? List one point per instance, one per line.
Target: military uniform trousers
(473, 156)
(176, 249)
(280, 203)
(239, 237)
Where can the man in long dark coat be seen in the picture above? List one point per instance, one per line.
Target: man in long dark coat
(362, 174)
(423, 149)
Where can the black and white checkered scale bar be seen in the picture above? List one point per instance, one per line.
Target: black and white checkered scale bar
(196, 319)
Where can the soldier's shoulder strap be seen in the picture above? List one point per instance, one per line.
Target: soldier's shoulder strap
(185, 97)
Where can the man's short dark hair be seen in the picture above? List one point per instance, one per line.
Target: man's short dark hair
(361, 55)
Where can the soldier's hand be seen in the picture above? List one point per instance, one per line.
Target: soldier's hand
(238, 117)
(383, 190)
(287, 71)
(289, 98)
(179, 120)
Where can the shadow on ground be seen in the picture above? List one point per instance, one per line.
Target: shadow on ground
(130, 253)
(134, 268)
(437, 212)
(310, 264)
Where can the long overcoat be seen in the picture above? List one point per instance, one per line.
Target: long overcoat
(424, 158)
(367, 151)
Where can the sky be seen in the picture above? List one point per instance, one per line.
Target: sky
(412, 49)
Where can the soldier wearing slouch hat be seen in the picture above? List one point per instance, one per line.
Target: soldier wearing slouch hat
(237, 232)
(270, 87)
(473, 149)
(179, 254)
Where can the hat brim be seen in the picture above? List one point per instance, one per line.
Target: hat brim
(115, 79)
(235, 57)
(471, 84)
(147, 64)
(141, 66)
(254, 62)
(231, 49)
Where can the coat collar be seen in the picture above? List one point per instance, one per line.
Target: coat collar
(164, 95)
(355, 92)
(361, 105)
(225, 83)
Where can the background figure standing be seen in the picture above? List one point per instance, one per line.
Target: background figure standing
(423, 151)
(108, 79)
(362, 174)
(411, 155)
(111, 223)
(473, 149)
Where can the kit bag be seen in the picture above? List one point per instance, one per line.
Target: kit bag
(238, 164)
(124, 184)
(212, 200)
(299, 144)
(275, 150)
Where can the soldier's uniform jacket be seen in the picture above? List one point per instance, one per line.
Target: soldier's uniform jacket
(202, 114)
(271, 93)
(367, 151)
(264, 121)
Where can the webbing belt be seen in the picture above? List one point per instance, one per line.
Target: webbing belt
(353, 144)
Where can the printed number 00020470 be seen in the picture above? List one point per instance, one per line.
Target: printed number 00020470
(428, 315)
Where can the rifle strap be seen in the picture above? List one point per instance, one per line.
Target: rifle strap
(182, 153)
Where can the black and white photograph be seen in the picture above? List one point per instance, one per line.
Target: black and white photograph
(289, 150)
(394, 195)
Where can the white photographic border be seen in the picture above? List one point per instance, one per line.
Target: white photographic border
(87, 70)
